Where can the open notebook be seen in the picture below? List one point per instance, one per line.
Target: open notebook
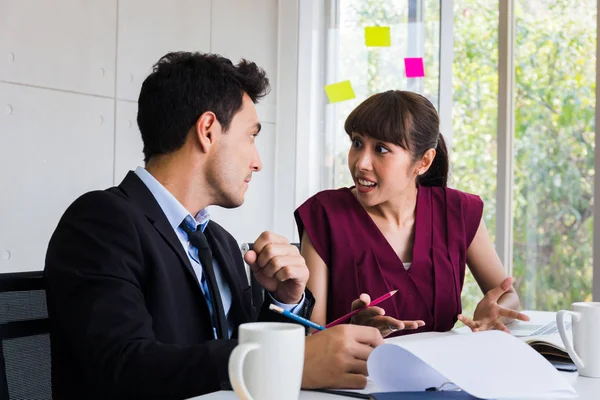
(545, 339)
(487, 365)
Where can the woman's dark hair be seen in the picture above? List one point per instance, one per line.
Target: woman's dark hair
(408, 120)
(183, 86)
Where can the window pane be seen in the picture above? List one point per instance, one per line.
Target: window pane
(415, 31)
(473, 158)
(555, 62)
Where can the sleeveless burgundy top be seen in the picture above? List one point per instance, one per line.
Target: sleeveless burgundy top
(360, 259)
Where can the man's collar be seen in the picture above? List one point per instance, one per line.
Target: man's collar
(171, 207)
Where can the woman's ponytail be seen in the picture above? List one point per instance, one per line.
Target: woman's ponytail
(437, 174)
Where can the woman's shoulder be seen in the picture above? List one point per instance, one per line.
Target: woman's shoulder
(464, 211)
(458, 196)
(325, 218)
(330, 197)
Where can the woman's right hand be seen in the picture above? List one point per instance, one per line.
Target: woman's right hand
(375, 316)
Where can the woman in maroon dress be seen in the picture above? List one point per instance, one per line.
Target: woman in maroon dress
(401, 228)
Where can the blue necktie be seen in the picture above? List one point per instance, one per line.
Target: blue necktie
(208, 281)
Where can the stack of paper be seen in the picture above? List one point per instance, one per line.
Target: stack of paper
(487, 365)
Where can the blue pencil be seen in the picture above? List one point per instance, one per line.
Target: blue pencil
(295, 317)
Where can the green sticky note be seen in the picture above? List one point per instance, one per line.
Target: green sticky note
(340, 91)
(378, 36)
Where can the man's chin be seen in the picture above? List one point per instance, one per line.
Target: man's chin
(232, 203)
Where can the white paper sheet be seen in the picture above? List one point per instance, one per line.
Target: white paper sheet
(488, 365)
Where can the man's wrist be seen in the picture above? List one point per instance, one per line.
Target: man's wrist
(303, 310)
(293, 307)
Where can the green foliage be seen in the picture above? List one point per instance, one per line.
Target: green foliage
(473, 158)
(554, 139)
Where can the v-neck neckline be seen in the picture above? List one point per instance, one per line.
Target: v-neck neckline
(375, 229)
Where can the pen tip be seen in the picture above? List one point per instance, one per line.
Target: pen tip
(393, 292)
(275, 308)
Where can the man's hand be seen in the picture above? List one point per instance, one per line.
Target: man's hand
(337, 357)
(278, 267)
(489, 313)
(375, 317)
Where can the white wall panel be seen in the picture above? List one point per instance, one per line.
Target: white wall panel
(54, 146)
(66, 44)
(245, 223)
(128, 145)
(148, 29)
(70, 75)
(248, 29)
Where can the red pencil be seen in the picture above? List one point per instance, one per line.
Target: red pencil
(353, 313)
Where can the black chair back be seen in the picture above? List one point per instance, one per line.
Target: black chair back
(24, 337)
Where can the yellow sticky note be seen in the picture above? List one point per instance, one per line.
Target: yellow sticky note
(340, 91)
(378, 36)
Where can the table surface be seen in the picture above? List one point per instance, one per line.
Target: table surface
(587, 388)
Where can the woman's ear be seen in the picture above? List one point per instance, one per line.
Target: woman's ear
(425, 163)
(206, 129)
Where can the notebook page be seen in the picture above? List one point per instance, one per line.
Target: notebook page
(488, 365)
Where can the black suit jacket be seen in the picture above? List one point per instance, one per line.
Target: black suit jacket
(127, 316)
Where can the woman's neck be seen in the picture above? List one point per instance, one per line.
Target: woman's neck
(399, 211)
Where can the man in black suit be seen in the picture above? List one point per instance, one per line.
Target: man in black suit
(145, 293)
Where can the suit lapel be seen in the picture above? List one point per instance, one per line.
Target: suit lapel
(137, 191)
(141, 195)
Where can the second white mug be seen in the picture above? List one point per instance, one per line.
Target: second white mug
(585, 348)
(267, 363)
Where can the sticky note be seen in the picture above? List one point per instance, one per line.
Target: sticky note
(340, 91)
(414, 67)
(377, 36)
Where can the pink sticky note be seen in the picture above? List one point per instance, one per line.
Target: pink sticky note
(414, 67)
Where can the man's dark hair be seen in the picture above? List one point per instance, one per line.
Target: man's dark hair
(183, 86)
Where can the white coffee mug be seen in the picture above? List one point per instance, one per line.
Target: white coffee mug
(267, 363)
(585, 348)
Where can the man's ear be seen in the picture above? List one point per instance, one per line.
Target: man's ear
(426, 161)
(206, 130)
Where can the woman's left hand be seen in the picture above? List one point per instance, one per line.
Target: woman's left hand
(488, 312)
(375, 317)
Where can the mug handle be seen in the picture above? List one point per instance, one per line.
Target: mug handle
(560, 324)
(236, 369)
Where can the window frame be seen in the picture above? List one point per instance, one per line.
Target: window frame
(596, 234)
(505, 135)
